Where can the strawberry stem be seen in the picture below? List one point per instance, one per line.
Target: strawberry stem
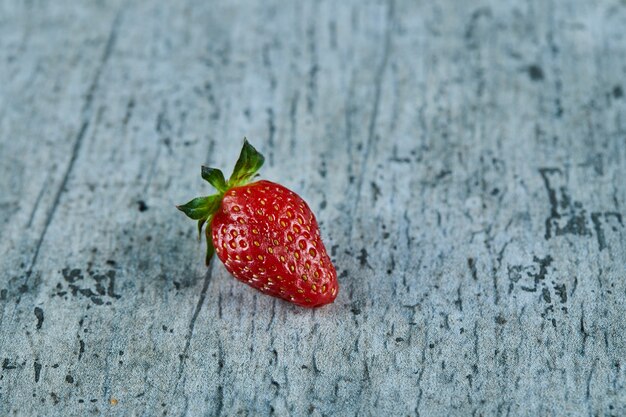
(202, 209)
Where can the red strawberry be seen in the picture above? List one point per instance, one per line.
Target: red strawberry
(265, 234)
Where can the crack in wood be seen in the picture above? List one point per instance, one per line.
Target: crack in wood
(78, 141)
(373, 119)
(192, 323)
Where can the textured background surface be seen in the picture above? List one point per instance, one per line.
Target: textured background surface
(466, 163)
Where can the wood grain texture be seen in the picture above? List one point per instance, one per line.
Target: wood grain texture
(466, 162)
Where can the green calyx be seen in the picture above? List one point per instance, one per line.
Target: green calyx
(203, 209)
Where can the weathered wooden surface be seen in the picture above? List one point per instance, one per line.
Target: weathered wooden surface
(466, 162)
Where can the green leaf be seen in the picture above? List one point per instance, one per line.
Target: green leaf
(248, 164)
(201, 207)
(210, 250)
(200, 224)
(215, 177)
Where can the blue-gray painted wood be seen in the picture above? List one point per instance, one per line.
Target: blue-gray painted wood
(466, 162)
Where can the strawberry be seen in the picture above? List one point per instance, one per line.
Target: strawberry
(265, 234)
